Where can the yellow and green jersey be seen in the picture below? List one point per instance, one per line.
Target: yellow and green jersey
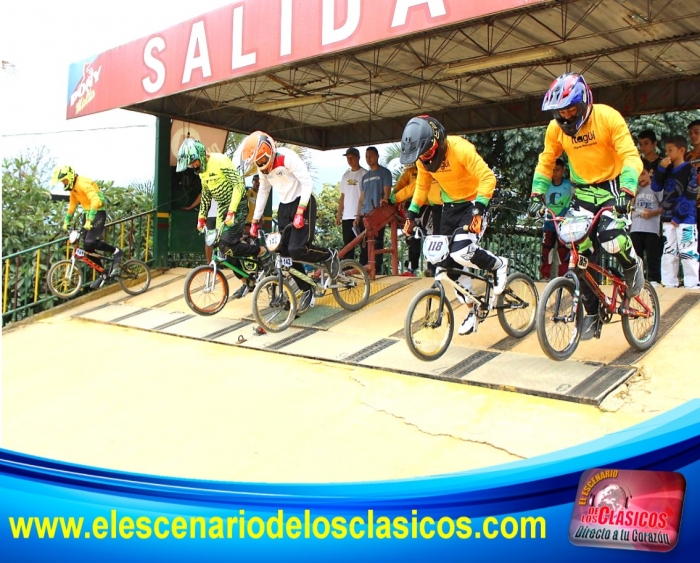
(463, 176)
(86, 193)
(602, 150)
(224, 184)
(406, 186)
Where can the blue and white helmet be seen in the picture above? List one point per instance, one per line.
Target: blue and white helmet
(567, 91)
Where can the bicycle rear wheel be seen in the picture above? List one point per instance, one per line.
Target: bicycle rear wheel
(640, 331)
(353, 284)
(428, 329)
(135, 277)
(274, 305)
(206, 293)
(520, 301)
(557, 333)
(65, 279)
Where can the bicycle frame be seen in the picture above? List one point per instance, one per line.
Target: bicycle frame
(580, 269)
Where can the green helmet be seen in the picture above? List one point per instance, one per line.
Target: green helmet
(63, 174)
(191, 151)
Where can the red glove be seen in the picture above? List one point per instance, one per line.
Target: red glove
(254, 228)
(229, 219)
(201, 223)
(299, 218)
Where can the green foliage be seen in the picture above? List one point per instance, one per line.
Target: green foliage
(328, 234)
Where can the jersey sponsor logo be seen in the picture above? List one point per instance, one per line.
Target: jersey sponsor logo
(352, 182)
(587, 138)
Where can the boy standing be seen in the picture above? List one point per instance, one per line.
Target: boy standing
(646, 219)
(693, 157)
(678, 181)
(647, 146)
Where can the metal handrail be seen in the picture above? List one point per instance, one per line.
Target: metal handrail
(24, 291)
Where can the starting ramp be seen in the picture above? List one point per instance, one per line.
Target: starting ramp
(373, 338)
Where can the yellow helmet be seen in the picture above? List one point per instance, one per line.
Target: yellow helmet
(258, 148)
(65, 175)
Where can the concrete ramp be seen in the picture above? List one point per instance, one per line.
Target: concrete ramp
(373, 337)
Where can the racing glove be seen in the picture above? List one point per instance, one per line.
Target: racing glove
(229, 219)
(201, 223)
(410, 223)
(254, 228)
(623, 201)
(477, 217)
(299, 218)
(87, 225)
(536, 207)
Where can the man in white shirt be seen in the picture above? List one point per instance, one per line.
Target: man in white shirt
(350, 189)
(281, 168)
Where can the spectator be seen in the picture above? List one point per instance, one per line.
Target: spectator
(210, 222)
(678, 181)
(350, 187)
(376, 189)
(558, 198)
(647, 146)
(693, 157)
(428, 216)
(646, 220)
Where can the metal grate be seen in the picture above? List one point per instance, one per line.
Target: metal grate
(290, 339)
(600, 383)
(668, 320)
(370, 350)
(128, 316)
(507, 343)
(469, 364)
(173, 322)
(225, 330)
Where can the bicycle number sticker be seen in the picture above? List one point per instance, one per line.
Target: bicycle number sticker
(272, 240)
(79, 252)
(435, 248)
(285, 261)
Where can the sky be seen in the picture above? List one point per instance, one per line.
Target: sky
(42, 38)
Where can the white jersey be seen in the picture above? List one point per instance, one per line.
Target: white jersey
(290, 178)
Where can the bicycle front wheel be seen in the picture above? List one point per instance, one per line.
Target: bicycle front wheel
(352, 291)
(640, 329)
(517, 305)
(206, 293)
(274, 304)
(429, 328)
(65, 279)
(557, 332)
(135, 277)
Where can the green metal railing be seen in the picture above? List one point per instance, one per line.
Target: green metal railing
(24, 290)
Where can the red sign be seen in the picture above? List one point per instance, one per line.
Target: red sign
(248, 36)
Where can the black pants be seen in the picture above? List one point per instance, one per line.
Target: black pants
(298, 243)
(92, 239)
(648, 246)
(455, 216)
(378, 245)
(348, 236)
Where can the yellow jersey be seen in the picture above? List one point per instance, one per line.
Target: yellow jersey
(406, 186)
(463, 176)
(602, 150)
(86, 193)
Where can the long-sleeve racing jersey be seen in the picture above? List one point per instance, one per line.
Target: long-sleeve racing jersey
(290, 178)
(222, 182)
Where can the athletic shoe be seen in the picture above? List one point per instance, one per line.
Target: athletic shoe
(305, 301)
(468, 325)
(98, 283)
(634, 277)
(501, 277)
(656, 284)
(591, 323)
(332, 263)
(115, 264)
(240, 292)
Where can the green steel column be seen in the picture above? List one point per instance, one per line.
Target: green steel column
(162, 192)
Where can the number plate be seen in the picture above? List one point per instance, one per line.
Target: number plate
(436, 248)
(284, 262)
(79, 252)
(272, 240)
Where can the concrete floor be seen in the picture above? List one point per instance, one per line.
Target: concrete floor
(125, 399)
